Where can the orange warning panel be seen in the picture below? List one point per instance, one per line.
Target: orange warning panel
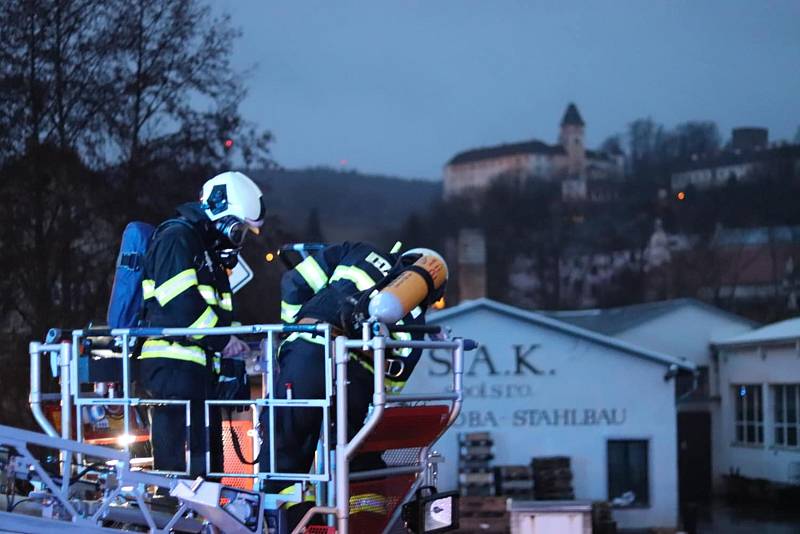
(230, 461)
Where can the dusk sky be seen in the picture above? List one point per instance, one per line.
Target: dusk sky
(399, 87)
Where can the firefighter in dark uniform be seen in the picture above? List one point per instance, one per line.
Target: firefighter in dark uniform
(323, 289)
(186, 285)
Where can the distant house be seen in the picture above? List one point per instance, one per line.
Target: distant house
(748, 155)
(755, 266)
(681, 328)
(567, 162)
(759, 383)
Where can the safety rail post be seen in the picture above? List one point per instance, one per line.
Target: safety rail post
(322, 462)
(75, 390)
(64, 353)
(458, 381)
(207, 433)
(342, 465)
(126, 394)
(35, 398)
(266, 352)
(345, 449)
(270, 406)
(378, 345)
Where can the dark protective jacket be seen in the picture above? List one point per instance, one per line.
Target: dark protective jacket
(320, 285)
(186, 286)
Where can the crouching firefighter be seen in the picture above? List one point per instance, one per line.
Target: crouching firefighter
(335, 286)
(186, 285)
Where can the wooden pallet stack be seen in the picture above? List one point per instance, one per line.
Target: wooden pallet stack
(475, 475)
(514, 481)
(483, 515)
(552, 478)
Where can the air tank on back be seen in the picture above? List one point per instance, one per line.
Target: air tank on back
(408, 290)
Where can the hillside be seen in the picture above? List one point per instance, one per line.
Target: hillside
(351, 206)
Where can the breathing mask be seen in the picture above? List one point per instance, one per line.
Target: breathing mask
(234, 230)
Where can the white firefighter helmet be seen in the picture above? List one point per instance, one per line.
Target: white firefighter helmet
(233, 194)
(413, 254)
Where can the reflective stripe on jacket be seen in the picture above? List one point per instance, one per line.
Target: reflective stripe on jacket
(347, 267)
(184, 287)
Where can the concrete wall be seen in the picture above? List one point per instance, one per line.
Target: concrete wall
(766, 366)
(541, 392)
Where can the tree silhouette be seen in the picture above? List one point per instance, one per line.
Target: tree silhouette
(110, 111)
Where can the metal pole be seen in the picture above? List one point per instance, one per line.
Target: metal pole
(330, 367)
(458, 375)
(331, 493)
(75, 391)
(74, 385)
(342, 466)
(188, 450)
(126, 394)
(256, 411)
(35, 399)
(378, 396)
(66, 404)
(66, 471)
(323, 446)
(270, 407)
(206, 409)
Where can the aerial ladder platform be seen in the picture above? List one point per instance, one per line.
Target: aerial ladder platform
(76, 481)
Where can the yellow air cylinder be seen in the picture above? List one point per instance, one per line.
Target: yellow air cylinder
(408, 290)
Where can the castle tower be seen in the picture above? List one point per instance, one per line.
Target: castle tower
(571, 138)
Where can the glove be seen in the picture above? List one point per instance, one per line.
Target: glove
(236, 348)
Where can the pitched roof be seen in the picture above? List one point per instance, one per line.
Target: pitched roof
(787, 331)
(543, 320)
(612, 321)
(533, 146)
(572, 117)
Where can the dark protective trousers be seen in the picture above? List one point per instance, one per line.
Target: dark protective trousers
(297, 430)
(167, 378)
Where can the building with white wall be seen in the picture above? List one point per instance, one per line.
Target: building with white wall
(759, 384)
(682, 328)
(543, 387)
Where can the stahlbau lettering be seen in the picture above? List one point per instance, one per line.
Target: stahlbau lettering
(569, 417)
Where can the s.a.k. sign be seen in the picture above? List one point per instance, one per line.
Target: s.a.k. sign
(501, 386)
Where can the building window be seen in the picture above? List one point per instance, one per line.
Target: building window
(749, 414)
(787, 423)
(628, 468)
